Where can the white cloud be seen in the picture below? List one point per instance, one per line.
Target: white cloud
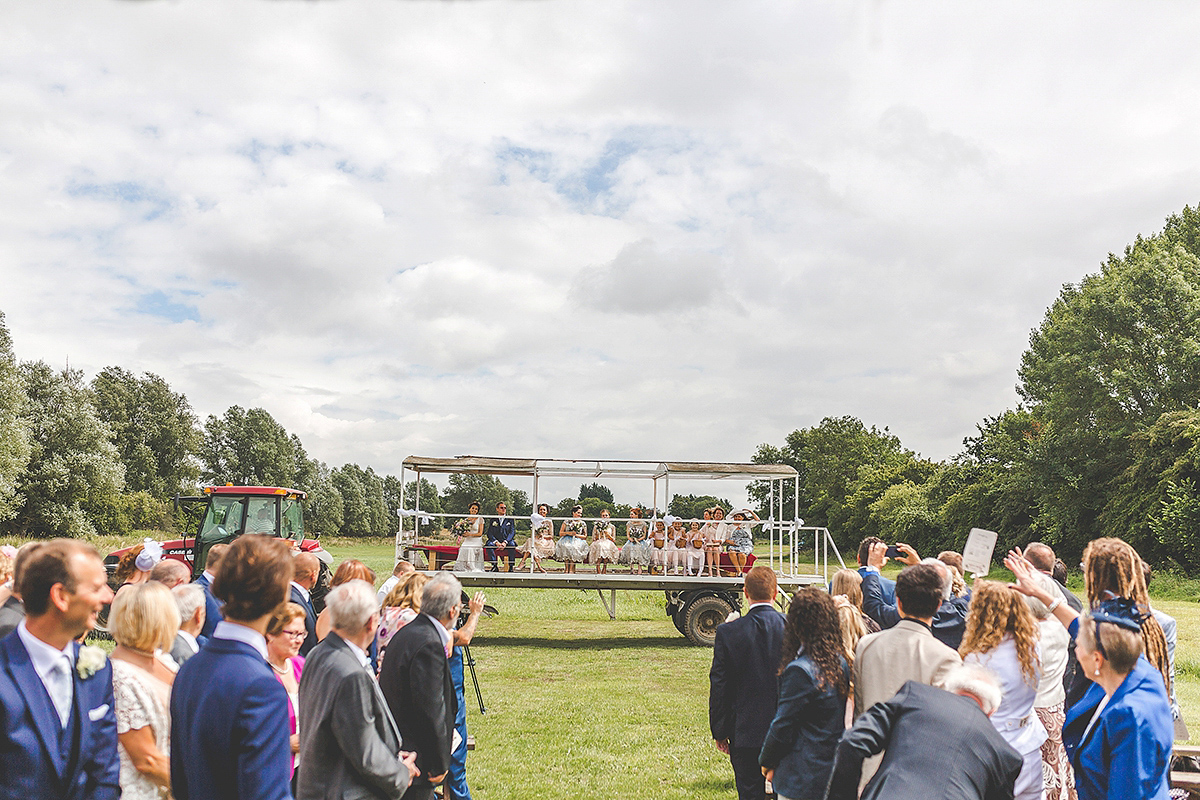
(660, 230)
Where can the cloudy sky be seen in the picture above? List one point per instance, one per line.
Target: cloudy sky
(663, 230)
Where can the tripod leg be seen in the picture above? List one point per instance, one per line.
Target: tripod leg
(469, 661)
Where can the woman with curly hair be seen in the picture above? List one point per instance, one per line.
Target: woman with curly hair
(1003, 637)
(814, 683)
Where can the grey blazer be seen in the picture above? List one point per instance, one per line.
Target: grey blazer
(349, 743)
(11, 614)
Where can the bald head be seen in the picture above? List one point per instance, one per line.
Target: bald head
(307, 568)
(170, 573)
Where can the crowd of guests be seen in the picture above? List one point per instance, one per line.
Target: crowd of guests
(656, 546)
(230, 686)
(926, 688)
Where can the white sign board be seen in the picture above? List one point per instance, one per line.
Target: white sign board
(977, 555)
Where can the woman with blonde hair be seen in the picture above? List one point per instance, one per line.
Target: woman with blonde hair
(848, 583)
(143, 621)
(1002, 636)
(400, 607)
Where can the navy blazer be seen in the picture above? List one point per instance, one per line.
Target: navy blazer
(229, 727)
(803, 737)
(212, 608)
(888, 585)
(501, 530)
(949, 623)
(32, 763)
(1127, 753)
(743, 689)
(310, 621)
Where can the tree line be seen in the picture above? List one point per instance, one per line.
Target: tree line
(1104, 442)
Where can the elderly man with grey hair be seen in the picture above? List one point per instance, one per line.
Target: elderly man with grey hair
(950, 621)
(349, 742)
(415, 679)
(939, 744)
(189, 599)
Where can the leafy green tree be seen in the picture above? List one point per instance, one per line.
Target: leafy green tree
(324, 511)
(15, 444)
(597, 490)
(153, 428)
(356, 515)
(462, 490)
(249, 448)
(691, 506)
(1112, 355)
(72, 463)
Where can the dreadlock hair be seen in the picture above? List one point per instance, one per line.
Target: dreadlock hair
(812, 626)
(1112, 565)
(997, 611)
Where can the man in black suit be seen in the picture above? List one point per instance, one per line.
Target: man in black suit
(415, 679)
(743, 688)
(307, 569)
(212, 607)
(939, 746)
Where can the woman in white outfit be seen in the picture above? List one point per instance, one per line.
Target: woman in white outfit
(470, 541)
(1057, 775)
(1003, 637)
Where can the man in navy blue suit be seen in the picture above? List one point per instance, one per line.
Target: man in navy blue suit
(742, 682)
(230, 737)
(307, 569)
(58, 729)
(501, 539)
(212, 609)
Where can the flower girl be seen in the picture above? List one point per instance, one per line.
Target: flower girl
(695, 549)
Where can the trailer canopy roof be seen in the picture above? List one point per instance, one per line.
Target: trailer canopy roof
(591, 468)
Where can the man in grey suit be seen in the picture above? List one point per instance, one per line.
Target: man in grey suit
(13, 610)
(349, 743)
(189, 599)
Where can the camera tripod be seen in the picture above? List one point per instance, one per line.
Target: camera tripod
(469, 663)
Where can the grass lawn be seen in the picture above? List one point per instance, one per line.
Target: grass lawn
(582, 706)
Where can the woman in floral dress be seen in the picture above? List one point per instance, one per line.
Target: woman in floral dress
(540, 543)
(604, 545)
(572, 544)
(635, 552)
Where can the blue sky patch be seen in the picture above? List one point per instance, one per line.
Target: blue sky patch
(153, 202)
(158, 304)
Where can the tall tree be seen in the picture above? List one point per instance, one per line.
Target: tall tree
(153, 428)
(461, 490)
(249, 448)
(355, 511)
(15, 446)
(596, 490)
(1112, 355)
(73, 461)
(324, 511)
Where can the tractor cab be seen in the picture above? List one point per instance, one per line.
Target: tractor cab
(227, 512)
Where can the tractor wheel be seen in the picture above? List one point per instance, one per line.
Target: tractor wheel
(703, 617)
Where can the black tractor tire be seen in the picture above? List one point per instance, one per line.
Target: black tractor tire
(680, 620)
(702, 618)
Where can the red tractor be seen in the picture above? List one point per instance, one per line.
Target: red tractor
(224, 513)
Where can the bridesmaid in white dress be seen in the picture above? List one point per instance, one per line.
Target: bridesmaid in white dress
(604, 545)
(470, 541)
(540, 543)
(572, 546)
(636, 552)
(143, 621)
(658, 544)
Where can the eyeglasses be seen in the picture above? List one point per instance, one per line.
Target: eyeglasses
(294, 634)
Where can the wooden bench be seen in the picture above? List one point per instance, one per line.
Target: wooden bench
(1189, 781)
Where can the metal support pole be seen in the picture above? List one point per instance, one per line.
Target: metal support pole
(400, 533)
(609, 605)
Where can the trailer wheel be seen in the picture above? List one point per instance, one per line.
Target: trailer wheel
(703, 617)
(680, 620)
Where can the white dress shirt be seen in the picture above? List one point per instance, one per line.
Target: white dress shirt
(53, 667)
(388, 585)
(240, 633)
(359, 653)
(1014, 718)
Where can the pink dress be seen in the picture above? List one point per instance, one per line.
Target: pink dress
(293, 700)
(391, 620)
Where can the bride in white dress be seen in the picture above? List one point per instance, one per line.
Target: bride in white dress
(470, 541)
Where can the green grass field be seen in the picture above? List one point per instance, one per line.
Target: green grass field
(582, 706)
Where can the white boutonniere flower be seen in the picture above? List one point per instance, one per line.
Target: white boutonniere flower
(89, 661)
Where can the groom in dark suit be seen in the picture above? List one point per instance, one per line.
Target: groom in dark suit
(742, 682)
(58, 729)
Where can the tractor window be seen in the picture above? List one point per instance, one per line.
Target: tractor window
(293, 521)
(222, 524)
(261, 517)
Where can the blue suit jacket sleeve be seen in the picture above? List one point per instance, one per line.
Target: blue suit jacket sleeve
(874, 604)
(264, 770)
(796, 691)
(103, 767)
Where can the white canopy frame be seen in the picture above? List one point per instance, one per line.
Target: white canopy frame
(786, 536)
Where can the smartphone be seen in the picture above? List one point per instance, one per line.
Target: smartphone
(892, 551)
